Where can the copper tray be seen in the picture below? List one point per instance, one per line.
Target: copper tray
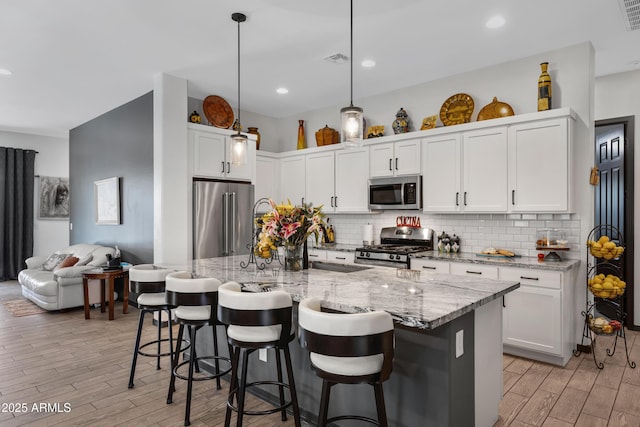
(457, 109)
(218, 111)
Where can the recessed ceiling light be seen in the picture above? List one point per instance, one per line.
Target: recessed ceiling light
(368, 63)
(495, 22)
(4, 72)
(282, 90)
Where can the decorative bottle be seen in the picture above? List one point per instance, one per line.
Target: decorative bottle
(544, 88)
(301, 141)
(254, 131)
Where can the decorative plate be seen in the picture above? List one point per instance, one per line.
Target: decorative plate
(218, 111)
(457, 109)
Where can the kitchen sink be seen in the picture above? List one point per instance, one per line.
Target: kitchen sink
(340, 268)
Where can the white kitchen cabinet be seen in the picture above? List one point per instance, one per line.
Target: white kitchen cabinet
(320, 180)
(474, 270)
(395, 158)
(351, 180)
(267, 176)
(539, 162)
(317, 254)
(341, 257)
(211, 154)
(430, 265)
(293, 179)
(441, 175)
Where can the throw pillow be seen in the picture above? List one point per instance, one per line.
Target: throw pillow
(68, 262)
(53, 261)
(84, 260)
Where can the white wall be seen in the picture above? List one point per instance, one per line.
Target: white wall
(616, 96)
(52, 160)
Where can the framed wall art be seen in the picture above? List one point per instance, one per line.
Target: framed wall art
(53, 198)
(107, 201)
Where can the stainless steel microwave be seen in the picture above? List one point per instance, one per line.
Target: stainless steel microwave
(395, 192)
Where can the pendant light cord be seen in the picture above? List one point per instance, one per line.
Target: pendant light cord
(351, 60)
(239, 122)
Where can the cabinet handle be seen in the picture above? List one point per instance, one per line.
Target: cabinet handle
(528, 278)
(336, 201)
(228, 167)
(465, 198)
(340, 257)
(313, 256)
(503, 304)
(457, 198)
(426, 267)
(331, 201)
(396, 163)
(513, 197)
(222, 167)
(390, 161)
(474, 272)
(302, 201)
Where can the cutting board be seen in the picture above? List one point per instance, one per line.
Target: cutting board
(497, 256)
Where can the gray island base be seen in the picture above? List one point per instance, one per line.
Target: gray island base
(448, 356)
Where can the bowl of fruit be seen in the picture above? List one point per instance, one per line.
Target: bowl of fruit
(607, 287)
(602, 326)
(604, 248)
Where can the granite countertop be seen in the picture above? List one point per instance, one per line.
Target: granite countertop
(340, 247)
(520, 262)
(415, 299)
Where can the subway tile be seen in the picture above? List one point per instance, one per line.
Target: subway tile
(530, 216)
(520, 223)
(514, 216)
(545, 216)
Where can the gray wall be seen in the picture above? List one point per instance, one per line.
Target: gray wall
(117, 143)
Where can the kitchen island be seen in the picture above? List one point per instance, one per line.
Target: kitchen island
(448, 358)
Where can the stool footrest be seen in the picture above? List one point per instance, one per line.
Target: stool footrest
(203, 377)
(273, 410)
(353, 417)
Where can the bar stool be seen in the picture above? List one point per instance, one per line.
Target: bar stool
(196, 300)
(149, 282)
(348, 349)
(257, 321)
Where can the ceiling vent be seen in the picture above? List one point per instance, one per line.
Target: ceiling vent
(630, 14)
(337, 58)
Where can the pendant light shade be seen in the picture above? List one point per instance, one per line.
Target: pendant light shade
(352, 123)
(239, 145)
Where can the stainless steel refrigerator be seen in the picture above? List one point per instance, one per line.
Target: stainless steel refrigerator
(222, 218)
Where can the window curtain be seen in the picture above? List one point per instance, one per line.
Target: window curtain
(16, 209)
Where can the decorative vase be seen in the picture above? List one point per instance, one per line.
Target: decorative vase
(544, 88)
(401, 123)
(292, 257)
(254, 131)
(301, 142)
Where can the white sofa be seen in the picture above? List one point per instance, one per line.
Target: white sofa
(61, 287)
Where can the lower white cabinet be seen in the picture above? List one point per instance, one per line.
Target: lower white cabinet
(430, 265)
(317, 254)
(475, 270)
(341, 257)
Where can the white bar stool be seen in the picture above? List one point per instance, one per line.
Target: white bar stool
(149, 282)
(348, 349)
(196, 300)
(257, 321)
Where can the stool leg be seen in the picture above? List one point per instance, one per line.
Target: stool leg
(324, 403)
(174, 364)
(233, 385)
(243, 385)
(292, 387)
(280, 387)
(170, 337)
(136, 347)
(159, 337)
(382, 412)
(193, 350)
(192, 363)
(215, 353)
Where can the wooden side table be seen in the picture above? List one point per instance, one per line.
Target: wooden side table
(108, 276)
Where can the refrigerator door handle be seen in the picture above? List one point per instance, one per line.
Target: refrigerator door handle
(234, 202)
(225, 223)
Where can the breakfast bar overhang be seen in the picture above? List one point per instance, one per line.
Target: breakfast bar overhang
(448, 340)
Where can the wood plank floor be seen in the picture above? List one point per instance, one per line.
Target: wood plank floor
(61, 358)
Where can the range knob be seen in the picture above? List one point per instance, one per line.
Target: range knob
(398, 257)
(391, 257)
(368, 254)
(361, 253)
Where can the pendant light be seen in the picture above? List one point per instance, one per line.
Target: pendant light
(239, 145)
(351, 129)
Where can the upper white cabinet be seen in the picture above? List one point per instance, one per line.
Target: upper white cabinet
(267, 177)
(540, 173)
(320, 179)
(395, 158)
(441, 174)
(211, 154)
(293, 178)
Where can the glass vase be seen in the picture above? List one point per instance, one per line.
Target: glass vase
(292, 258)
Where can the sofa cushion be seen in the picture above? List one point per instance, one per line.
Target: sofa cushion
(100, 256)
(69, 261)
(53, 261)
(84, 260)
(40, 282)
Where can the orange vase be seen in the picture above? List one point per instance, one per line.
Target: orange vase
(302, 144)
(254, 131)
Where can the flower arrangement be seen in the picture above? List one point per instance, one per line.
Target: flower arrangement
(287, 225)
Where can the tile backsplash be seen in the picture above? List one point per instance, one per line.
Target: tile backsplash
(516, 232)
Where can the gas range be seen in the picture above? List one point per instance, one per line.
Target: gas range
(397, 246)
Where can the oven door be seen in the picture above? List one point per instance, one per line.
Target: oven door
(403, 192)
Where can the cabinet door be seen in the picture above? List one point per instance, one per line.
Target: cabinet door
(441, 173)
(532, 319)
(381, 160)
(341, 257)
(406, 157)
(430, 266)
(292, 179)
(474, 270)
(320, 180)
(351, 187)
(267, 176)
(208, 154)
(485, 170)
(240, 172)
(539, 166)
(317, 254)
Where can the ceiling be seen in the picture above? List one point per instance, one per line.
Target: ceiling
(73, 60)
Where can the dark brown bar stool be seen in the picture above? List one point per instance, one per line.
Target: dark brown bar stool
(347, 349)
(149, 282)
(196, 301)
(257, 321)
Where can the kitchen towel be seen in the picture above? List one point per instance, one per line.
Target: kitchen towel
(367, 235)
